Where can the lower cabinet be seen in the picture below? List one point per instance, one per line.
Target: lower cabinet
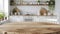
(52, 19)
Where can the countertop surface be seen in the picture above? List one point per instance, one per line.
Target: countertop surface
(39, 27)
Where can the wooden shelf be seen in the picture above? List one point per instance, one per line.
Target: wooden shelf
(30, 15)
(30, 5)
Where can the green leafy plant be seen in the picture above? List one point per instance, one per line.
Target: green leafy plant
(51, 6)
(38, 1)
(2, 15)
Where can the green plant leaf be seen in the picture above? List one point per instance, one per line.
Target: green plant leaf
(1, 15)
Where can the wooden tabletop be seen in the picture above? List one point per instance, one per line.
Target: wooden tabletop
(31, 27)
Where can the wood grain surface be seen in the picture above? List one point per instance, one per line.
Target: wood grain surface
(31, 27)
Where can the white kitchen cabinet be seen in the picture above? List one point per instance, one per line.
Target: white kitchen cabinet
(52, 19)
(16, 18)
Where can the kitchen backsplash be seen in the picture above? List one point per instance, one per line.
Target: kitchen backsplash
(29, 9)
(42, 7)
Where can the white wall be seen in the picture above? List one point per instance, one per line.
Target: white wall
(1, 4)
(4, 6)
(58, 9)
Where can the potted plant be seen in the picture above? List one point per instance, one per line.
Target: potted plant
(1, 16)
(51, 6)
(38, 1)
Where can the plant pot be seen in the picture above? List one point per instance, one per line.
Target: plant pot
(52, 14)
(38, 3)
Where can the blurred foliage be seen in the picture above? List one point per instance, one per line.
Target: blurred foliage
(38, 1)
(51, 5)
(2, 15)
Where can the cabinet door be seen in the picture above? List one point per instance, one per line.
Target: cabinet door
(16, 18)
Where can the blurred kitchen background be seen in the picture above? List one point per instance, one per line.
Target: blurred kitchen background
(29, 12)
